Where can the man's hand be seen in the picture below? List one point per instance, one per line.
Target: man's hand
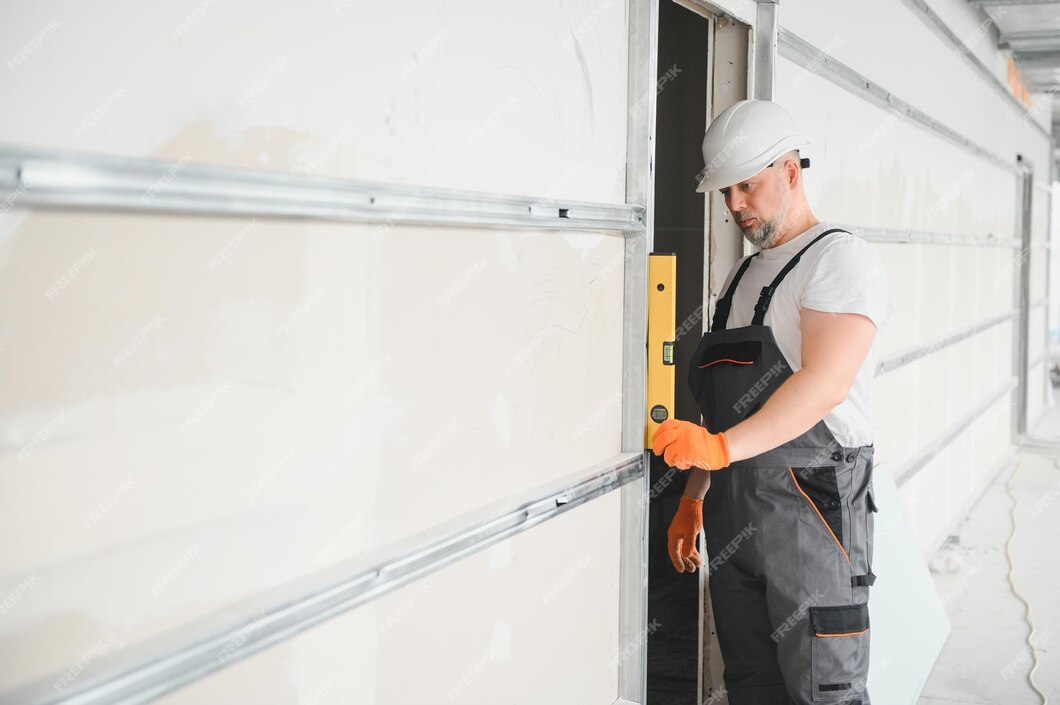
(683, 444)
(681, 538)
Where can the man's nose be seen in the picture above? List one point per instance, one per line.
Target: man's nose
(735, 200)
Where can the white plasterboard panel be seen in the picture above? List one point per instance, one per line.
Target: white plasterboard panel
(975, 28)
(939, 494)
(505, 97)
(533, 619)
(871, 168)
(1036, 332)
(211, 406)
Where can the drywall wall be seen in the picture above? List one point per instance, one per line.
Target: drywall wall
(196, 409)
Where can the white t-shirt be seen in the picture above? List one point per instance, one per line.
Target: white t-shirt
(841, 273)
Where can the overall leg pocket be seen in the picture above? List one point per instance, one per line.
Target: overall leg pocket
(839, 652)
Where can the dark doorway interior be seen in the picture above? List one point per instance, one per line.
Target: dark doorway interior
(673, 598)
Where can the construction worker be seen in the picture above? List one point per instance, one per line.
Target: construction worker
(782, 380)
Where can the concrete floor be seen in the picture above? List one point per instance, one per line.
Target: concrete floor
(986, 658)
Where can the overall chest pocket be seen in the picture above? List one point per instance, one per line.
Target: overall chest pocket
(726, 381)
(744, 352)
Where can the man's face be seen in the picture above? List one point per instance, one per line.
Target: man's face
(759, 205)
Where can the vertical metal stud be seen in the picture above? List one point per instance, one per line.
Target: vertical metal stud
(765, 50)
(1050, 252)
(642, 68)
(1022, 294)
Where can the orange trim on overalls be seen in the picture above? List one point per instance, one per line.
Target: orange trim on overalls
(847, 634)
(818, 513)
(738, 362)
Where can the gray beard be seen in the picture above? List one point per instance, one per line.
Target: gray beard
(764, 236)
(768, 234)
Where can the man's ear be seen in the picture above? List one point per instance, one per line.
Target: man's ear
(790, 175)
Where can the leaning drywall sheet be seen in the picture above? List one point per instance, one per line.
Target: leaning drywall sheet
(908, 618)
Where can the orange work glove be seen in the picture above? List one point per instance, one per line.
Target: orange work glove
(684, 444)
(681, 538)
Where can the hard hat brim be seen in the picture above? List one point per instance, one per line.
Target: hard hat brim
(728, 177)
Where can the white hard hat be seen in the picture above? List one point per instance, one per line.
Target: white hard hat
(746, 138)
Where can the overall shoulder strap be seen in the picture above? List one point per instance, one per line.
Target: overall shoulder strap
(721, 311)
(767, 291)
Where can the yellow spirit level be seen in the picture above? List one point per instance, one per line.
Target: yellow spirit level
(662, 320)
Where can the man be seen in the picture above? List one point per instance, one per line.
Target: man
(782, 380)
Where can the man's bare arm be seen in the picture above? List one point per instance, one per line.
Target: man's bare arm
(833, 347)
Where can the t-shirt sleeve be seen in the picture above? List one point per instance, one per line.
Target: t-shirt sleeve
(849, 277)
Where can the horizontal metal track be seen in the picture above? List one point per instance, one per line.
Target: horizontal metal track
(149, 670)
(908, 356)
(929, 238)
(798, 50)
(910, 469)
(1045, 446)
(73, 180)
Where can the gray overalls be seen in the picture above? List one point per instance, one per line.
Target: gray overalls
(789, 531)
